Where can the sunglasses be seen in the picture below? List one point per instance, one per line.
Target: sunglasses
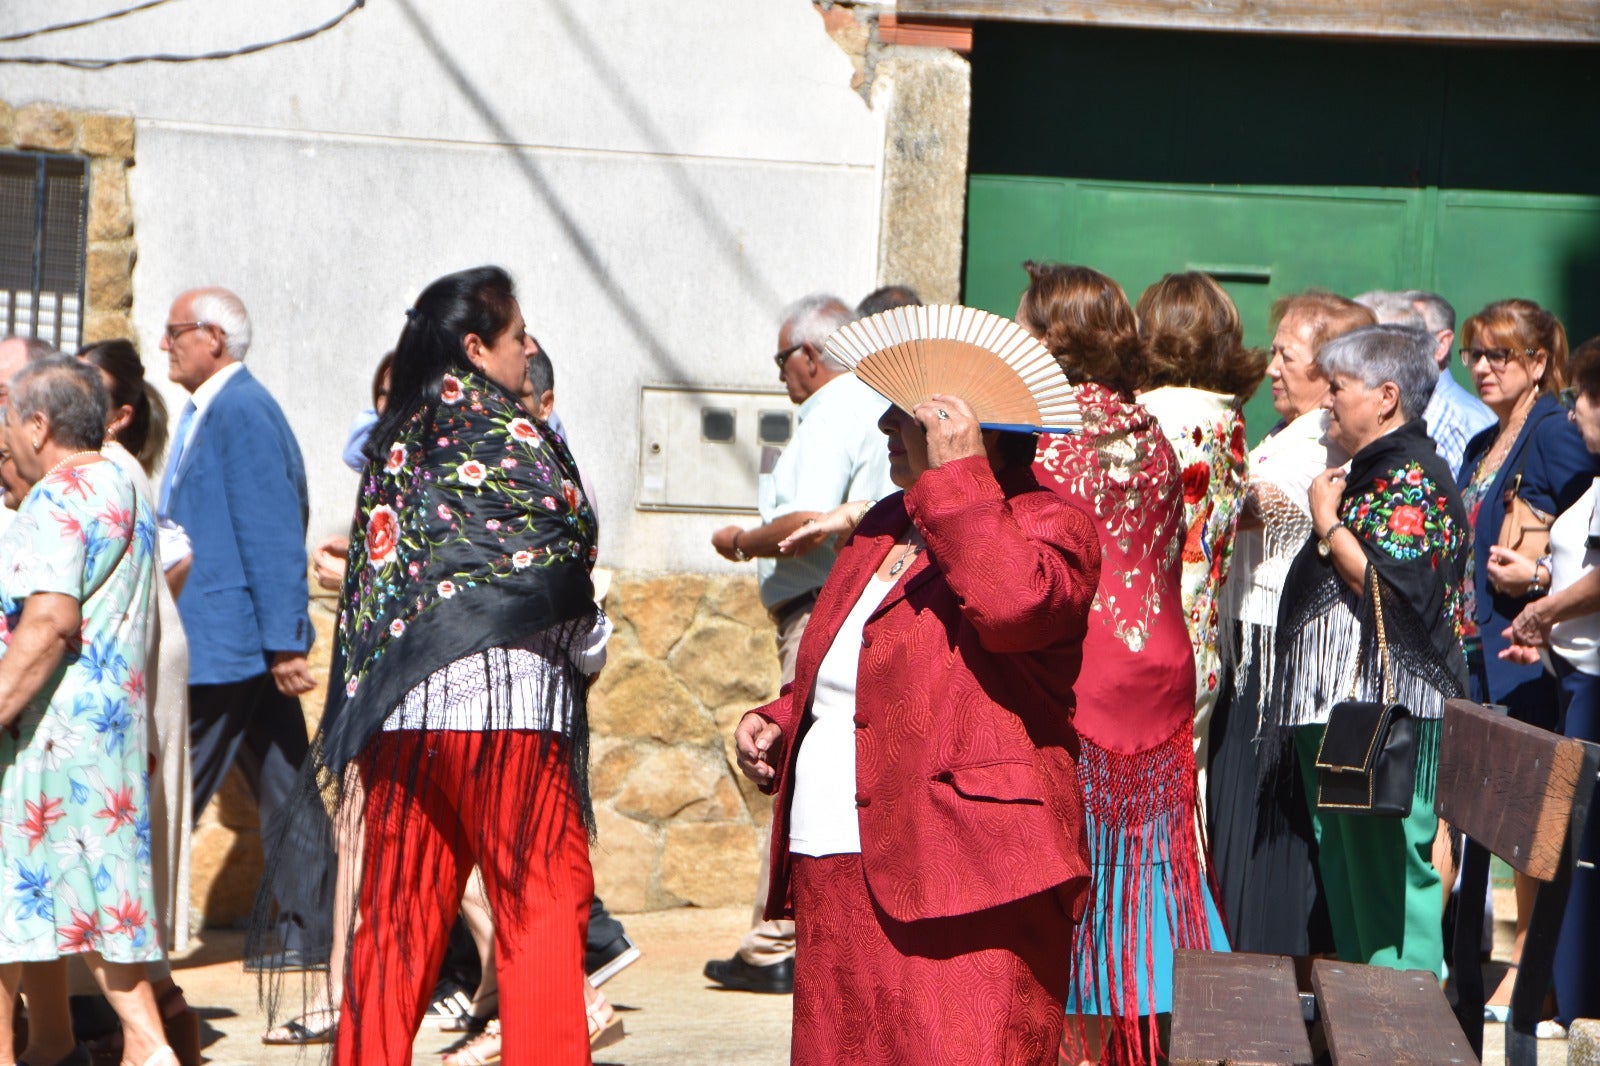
(782, 357)
(1497, 357)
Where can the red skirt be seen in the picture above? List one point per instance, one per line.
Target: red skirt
(979, 988)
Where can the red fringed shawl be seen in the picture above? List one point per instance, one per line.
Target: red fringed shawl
(1135, 713)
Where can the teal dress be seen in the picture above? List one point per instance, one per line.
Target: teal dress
(74, 793)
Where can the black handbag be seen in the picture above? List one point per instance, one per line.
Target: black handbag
(1367, 763)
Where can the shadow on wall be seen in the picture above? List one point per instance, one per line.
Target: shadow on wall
(724, 240)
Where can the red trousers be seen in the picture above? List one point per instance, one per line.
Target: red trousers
(423, 837)
(982, 988)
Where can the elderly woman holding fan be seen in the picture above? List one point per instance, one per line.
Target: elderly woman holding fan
(928, 830)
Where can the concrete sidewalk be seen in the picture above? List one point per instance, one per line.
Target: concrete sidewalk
(674, 1017)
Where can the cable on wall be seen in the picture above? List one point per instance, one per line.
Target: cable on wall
(83, 63)
(80, 23)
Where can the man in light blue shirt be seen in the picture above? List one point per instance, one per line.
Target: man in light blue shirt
(836, 455)
(1454, 416)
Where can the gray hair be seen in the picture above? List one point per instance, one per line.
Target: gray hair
(1436, 311)
(221, 308)
(70, 394)
(1392, 308)
(1375, 354)
(812, 319)
(36, 349)
(541, 372)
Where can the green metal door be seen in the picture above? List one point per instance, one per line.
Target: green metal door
(1134, 107)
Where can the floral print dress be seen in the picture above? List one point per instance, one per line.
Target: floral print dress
(74, 789)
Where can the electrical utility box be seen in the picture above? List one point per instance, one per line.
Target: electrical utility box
(702, 449)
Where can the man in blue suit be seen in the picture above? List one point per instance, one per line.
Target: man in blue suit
(236, 483)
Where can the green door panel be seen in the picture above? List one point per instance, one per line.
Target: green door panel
(1493, 245)
(1264, 242)
(1282, 162)
(1261, 243)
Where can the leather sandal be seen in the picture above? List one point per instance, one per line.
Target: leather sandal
(303, 1031)
(481, 1050)
(605, 1028)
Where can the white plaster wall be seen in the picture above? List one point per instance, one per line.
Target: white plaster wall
(660, 178)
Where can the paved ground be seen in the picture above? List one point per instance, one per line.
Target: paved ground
(673, 1017)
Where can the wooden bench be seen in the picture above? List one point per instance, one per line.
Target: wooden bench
(1520, 792)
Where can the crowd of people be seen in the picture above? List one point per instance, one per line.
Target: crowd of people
(1361, 550)
(1052, 706)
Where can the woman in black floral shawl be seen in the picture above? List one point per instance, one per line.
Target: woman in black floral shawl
(455, 733)
(1398, 517)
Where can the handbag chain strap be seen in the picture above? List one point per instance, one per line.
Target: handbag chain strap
(1383, 644)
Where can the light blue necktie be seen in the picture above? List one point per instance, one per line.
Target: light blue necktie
(180, 443)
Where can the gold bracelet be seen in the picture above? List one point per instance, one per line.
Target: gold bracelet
(862, 514)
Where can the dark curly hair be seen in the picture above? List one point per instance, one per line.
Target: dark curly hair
(1085, 320)
(1193, 336)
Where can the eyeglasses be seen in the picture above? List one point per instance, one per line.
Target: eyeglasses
(177, 329)
(1497, 357)
(781, 358)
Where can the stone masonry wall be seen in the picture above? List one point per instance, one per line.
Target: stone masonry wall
(678, 824)
(107, 142)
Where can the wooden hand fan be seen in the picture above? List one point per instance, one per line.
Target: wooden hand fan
(1009, 379)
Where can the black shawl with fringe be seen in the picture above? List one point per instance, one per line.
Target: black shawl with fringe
(472, 535)
(1401, 503)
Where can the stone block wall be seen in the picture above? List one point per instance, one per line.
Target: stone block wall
(678, 824)
(107, 143)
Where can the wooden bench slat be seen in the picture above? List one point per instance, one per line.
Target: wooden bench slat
(1372, 1014)
(1236, 1008)
(1507, 785)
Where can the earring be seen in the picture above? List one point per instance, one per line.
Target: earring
(36, 444)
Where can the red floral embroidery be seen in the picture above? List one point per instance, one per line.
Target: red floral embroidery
(383, 535)
(1196, 476)
(1407, 521)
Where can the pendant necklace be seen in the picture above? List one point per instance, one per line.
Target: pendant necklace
(912, 548)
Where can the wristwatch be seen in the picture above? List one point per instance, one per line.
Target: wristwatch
(1325, 542)
(738, 552)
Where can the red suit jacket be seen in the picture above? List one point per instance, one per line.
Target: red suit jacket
(966, 756)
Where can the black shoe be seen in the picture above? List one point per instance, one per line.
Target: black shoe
(287, 960)
(602, 964)
(740, 976)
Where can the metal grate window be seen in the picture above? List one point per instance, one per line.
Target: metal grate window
(43, 217)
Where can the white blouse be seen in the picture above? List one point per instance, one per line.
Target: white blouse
(822, 815)
(1576, 640)
(534, 689)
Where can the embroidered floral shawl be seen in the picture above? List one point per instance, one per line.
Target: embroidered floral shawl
(471, 533)
(1135, 716)
(1402, 504)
